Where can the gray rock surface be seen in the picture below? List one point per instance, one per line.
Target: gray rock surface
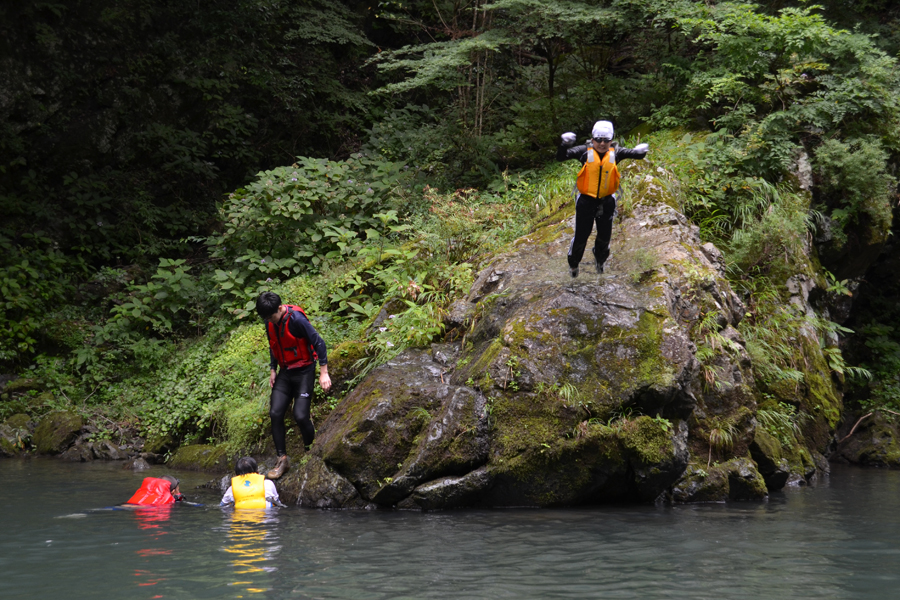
(559, 391)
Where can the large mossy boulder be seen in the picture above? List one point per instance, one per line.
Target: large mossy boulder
(561, 392)
(736, 479)
(780, 463)
(875, 441)
(56, 430)
(200, 457)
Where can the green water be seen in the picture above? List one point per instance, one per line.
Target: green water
(840, 539)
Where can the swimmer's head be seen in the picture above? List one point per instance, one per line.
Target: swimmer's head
(245, 465)
(173, 483)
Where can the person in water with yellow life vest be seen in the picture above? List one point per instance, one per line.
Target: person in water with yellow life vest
(157, 491)
(597, 183)
(249, 489)
(294, 348)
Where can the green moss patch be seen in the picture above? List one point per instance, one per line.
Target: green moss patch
(56, 431)
(201, 457)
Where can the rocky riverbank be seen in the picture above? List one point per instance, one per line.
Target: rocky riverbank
(631, 386)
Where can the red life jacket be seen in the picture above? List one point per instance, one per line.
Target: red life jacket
(289, 352)
(153, 492)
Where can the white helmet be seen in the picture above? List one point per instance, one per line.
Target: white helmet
(602, 129)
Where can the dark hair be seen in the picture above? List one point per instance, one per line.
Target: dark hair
(173, 482)
(245, 465)
(267, 304)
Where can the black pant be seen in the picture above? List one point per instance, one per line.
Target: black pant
(292, 385)
(588, 210)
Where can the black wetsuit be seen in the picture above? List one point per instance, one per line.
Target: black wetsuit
(296, 385)
(589, 209)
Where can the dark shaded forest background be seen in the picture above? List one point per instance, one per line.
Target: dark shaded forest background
(128, 126)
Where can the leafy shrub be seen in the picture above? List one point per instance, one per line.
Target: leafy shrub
(33, 282)
(172, 300)
(291, 219)
(881, 340)
(781, 421)
(412, 135)
(774, 244)
(854, 180)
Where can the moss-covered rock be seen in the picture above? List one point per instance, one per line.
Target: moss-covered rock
(736, 479)
(22, 385)
(11, 443)
(559, 391)
(56, 430)
(15, 435)
(875, 442)
(201, 457)
(634, 460)
(158, 444)
(774, 468)
(20, 421)
(313, 485)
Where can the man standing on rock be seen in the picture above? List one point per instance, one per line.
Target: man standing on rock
(597, 183)
(294, 348)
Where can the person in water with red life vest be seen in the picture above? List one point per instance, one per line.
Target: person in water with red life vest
(597, 183)
(294, 348)
(249, 489)
(157, 491)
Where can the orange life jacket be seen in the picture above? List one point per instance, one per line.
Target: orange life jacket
(598, 178)
(153, 492)
(289, 352)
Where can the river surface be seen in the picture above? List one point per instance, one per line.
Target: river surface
(840, 539)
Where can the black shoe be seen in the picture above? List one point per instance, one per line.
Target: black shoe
(573, 271)
(597, 264)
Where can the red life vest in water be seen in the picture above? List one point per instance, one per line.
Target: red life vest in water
(153, 492)
(289, 352)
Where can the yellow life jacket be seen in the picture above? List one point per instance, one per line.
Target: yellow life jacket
(249, 491)
(598, 178)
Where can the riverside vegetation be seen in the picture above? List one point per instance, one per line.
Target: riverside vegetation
(737, 339)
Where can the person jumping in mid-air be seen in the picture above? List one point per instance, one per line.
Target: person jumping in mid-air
(597, 183)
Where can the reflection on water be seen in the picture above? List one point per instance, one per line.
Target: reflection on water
(840, 540)
(151, 520)
(252, 542)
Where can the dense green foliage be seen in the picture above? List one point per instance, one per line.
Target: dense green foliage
(161, 163)
(293, 218)
(123, 122)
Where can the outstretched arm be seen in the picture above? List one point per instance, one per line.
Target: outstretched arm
(567, 150)
(637, 153)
